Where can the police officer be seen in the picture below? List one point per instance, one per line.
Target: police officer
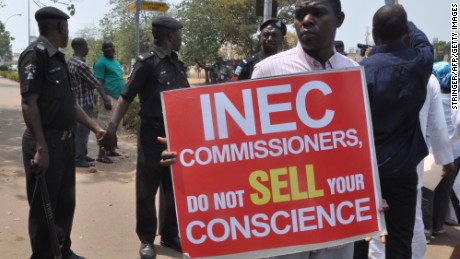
(340, 47)
(272, 32)
(50, 114)
(154, 72)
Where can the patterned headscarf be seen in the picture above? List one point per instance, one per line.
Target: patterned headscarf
(442, 72)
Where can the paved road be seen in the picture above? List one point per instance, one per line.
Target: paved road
(104, 219)
(105, 216)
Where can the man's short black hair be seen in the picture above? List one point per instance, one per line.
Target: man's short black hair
(338, 44)
(105, 43)
(390, 22)
(337, 6)
(78, 43)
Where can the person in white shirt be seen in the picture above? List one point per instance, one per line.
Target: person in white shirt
(316, 22)
(435, 213)
(433, 124)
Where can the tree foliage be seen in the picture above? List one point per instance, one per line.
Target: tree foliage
(208, 24)
(120, 27)
(5, 43)
(442, 49)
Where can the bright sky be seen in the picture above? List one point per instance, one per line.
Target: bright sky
(433, 17)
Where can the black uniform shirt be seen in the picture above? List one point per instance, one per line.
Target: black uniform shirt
(153, 73)
(43, 70)
(244, 70)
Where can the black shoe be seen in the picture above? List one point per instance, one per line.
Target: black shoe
(104, 159)
(72, 255)
(89, 159)
(147, 251)
(171, 242)
(438, 232)
(85, 164)
(114, 153)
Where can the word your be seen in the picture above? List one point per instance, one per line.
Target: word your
(344, 184)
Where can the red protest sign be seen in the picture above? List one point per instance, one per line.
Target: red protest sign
(273, 166)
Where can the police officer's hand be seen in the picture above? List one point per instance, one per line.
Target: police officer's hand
(100, 132)
(109, 140)
(167, 157)
(448, 169)
(40, 162)
(107, 104)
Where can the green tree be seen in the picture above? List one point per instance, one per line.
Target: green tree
(442, 48)
(120, 27)
(93, 38)
(208, 24)
(5, 43)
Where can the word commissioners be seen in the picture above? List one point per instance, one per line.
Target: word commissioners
(273, 166)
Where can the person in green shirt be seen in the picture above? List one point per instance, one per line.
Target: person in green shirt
(108, 71)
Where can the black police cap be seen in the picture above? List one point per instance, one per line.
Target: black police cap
(338, 44)
(50, 12)
(274, 22)
(167, 22)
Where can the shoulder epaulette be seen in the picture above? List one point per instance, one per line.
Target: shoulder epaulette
(40, 47)
(249, 60)
(144, 56)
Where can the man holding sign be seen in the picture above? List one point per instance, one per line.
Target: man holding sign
(276, 199)
(308, 176)
(315, 51)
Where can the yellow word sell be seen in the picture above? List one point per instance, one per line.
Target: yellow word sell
(276, 191)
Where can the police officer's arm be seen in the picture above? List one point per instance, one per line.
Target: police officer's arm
(84, 119)
(109, 140)
(32, 118)
(31, 77)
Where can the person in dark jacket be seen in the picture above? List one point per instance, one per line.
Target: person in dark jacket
(154, 72)
(397, 77)
(50, 114)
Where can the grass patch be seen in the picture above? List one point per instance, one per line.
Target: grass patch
(12, 75)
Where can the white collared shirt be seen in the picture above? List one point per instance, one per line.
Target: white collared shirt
(296, 60)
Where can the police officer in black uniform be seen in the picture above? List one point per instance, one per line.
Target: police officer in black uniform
(50, 114)
(272, 33)
(154, 72)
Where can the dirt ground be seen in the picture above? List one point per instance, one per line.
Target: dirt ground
(104, 223)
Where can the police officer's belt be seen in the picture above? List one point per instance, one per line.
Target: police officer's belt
(152, 121)
(62, 134)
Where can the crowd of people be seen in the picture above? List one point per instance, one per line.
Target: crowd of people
(409, 100)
